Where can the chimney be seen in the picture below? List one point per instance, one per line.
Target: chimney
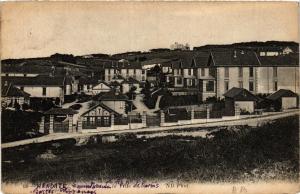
(234, 54)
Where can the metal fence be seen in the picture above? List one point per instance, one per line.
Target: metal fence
(216, 114)
(121, 121)
(200, 114)
(135, 118)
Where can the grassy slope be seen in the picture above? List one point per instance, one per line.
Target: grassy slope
(270, 151)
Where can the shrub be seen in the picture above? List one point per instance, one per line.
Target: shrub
(75, 106)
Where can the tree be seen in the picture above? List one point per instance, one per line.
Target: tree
(131, 94)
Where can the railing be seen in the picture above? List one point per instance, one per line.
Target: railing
(121, 121)
(200, 114)
(216, 114)
(88, 125)
(135, 118)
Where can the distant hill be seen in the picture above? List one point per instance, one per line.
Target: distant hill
(253, 44)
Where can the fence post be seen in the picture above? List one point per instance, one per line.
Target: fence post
(51, 124)
(70, 117)
(144, 119)
(79, 124)
(207, 113)
(192, 113)
(42, 125)
(162, 118)
(237, 111)
(112, 121)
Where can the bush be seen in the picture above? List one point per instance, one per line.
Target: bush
(75, 106)
(69, 98)
(15, 124)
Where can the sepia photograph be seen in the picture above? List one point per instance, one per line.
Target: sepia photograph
(149, 97)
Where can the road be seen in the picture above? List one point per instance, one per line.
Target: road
(252, 120)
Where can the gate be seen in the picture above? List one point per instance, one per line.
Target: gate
(153, 120)
(60, 127)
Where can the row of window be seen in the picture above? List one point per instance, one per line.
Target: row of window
(251, 72)
(114, 71)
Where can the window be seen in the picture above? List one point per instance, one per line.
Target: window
(121, 105)
(189, 71)
(202, 71)
(275, 86)
(143, 71)
(251, 86)
(44, 91)
(274, 71)
(240, 84)
(179, 80)
(240, 72)
(226, 72)
(88, 87)
(251, 72)
(143, 78)
(226, 85)
(106, 121)
(210, 86)
(134, 71)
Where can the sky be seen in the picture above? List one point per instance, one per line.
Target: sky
(38, 29)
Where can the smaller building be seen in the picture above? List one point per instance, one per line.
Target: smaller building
(284, 99)
(115, 101)
(10, 95)
(101, 87)
(58, 120)
(240, 99)
(86, 84)
(98, 116)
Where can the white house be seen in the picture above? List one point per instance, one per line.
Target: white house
(100, 87)
(40, 86)
(125, 69)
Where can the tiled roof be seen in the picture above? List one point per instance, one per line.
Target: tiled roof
(27, 69)
(240, 94)
(281, 60)
(282, 93)
(8, 90)
(61, 111)
(112, 96)
(36, 81)
(227, 57)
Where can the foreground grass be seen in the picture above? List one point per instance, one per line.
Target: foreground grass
(267, 152)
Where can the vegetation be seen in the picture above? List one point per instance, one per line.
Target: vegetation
(75, 106)
(169, 100)
(18, 125)
(269, 152)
